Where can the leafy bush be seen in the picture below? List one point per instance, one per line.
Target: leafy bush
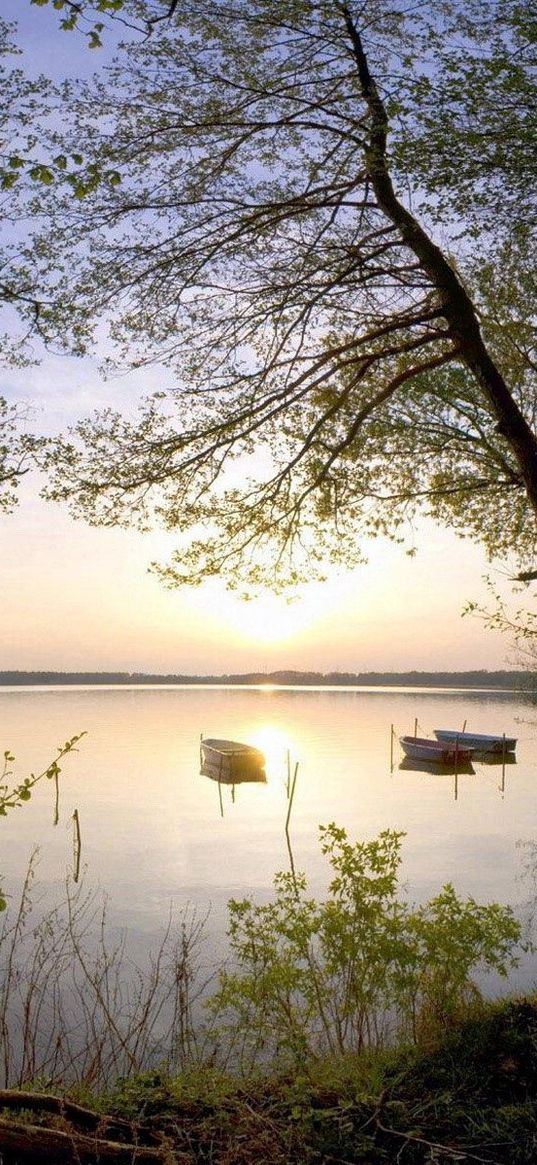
(311, 978)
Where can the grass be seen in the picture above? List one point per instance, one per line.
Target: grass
(472, 1097)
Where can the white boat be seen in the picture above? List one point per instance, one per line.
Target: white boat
(479, 741)
(419, 748)
(231, 762)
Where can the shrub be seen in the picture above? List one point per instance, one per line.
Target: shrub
(314, 978)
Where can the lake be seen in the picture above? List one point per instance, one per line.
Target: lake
(154, 831)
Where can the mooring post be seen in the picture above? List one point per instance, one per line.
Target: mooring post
(291, 796)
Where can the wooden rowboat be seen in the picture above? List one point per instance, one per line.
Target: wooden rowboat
(231, 762)
(419, 748)
(480, 741)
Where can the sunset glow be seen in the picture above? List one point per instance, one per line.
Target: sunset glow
(271, 618)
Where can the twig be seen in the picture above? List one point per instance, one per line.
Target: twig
(456, 1153)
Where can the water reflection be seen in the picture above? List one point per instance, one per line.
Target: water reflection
(441, 768)
(214, 772)
(231, 768)
(495, 758)
(409, 764)
(137, 788)
(77, 846)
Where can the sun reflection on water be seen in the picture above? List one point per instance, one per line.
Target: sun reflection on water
(276, 746)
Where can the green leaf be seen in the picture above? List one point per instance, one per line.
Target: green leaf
(42, 173)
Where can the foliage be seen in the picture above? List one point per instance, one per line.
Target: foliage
(13, 798)
(19, 451)
(17, 795)
(17, 289)
(259, 238)
(519, 623)
(313, 977)
(473, 144)
(75, 14)
(80, 14)
(473, 1097)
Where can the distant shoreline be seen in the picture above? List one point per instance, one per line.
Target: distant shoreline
(506, 680)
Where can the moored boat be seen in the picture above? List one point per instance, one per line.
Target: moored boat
(231, 762)
(419, 748)
(483, 742)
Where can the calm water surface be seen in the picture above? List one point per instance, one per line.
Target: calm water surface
(152, 828)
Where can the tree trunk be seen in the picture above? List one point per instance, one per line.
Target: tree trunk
(457, 306)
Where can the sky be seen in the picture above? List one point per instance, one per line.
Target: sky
(80, 598)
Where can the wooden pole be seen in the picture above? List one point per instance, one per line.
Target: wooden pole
(77, 846)
(415, 727)
(56, 799)
(291, 796)
(287, 820)
(391, 748)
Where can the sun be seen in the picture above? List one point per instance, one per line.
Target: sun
(271, 619)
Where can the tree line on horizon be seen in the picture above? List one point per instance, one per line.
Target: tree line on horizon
(476, 678)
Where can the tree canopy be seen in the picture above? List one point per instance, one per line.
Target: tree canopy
(18, 448)
(317, 214)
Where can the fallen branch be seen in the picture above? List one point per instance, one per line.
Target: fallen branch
(85, 1118)
(453, 1151)
(36, 1144)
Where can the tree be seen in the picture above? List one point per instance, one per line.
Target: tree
(19, 451)
(328, 301)
(519, 623)
(90, 16)
(18, 448)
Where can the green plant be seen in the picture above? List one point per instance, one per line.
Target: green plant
(13, 798)
(336, 976)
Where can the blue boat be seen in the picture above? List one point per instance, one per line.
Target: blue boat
(481, 742)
